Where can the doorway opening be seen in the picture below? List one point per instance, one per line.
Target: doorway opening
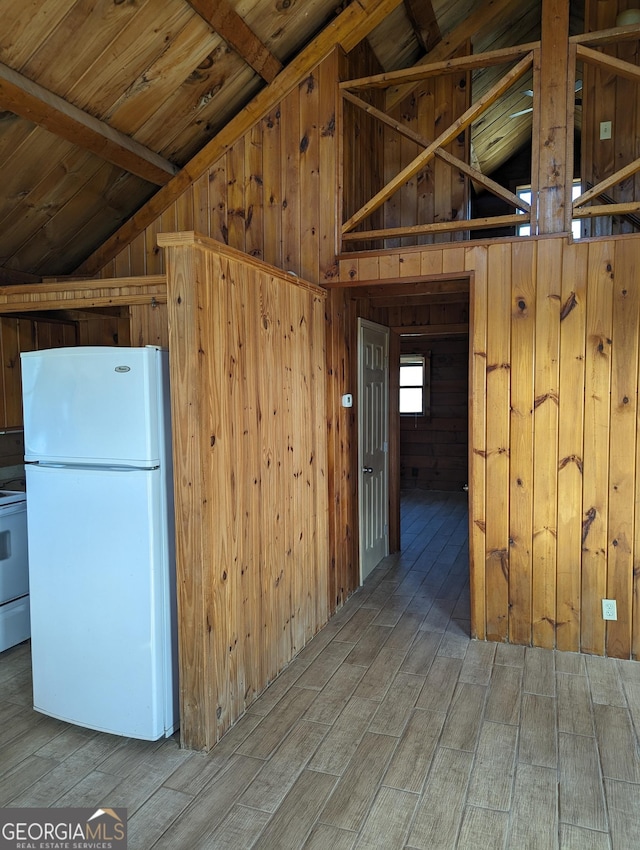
(433, 467)
(428, 443)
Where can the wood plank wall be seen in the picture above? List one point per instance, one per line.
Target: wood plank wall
(23, 333)
(434, 448)
(543, 422)
(271, 195)
(149, 325)
(610, 97)
(363, 142)
(555, 457)
(342, 448)
(439, 192)
(247, 355)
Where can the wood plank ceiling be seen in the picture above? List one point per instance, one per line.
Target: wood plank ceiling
(102, 101)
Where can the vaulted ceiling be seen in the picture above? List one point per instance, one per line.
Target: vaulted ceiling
(102, 101)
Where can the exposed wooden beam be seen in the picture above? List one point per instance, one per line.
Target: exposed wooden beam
(83, 294)
(31, 101)
(610, 36)
(477, 21)
(347, 30)
(607, 202)
(424, 21)
(223, 18)
(555, 115)
(479, 179)
(608, 209)
(420, 161)
(620, 175)
(438, 227)
(442, 68)
(610, 63)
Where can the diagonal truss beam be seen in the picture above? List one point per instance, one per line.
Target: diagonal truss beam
(465, 120)
(631, 72)
(618, 177)
(476, 175)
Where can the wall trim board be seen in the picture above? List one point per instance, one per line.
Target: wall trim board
(469, 244)
(67, 295)
(192, 239)
(354, 283)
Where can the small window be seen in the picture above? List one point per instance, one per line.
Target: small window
(524, 192)
(414, 384)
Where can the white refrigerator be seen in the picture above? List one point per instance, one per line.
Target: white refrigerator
(101, 538)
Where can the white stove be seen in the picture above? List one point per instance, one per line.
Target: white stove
(12, 497)
(14, 569)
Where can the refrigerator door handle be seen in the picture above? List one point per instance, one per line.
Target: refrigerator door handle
(90, 467)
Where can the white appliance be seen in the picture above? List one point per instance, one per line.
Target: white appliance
(14, 569)
(101, 538)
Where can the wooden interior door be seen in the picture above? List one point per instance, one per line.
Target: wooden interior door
(373, 444)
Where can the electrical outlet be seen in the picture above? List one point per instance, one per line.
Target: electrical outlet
(605, 129)
(609, 609)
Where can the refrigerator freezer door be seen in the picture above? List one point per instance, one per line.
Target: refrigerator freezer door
(93, 405)
(101, 612)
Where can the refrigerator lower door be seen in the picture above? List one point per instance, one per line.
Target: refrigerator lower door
(102, 612)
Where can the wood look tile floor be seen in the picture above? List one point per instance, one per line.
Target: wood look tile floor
(392, 729)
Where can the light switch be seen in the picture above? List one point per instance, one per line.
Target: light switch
(347, 400)
(605, 129)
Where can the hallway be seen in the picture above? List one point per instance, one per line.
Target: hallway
(390, 730)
